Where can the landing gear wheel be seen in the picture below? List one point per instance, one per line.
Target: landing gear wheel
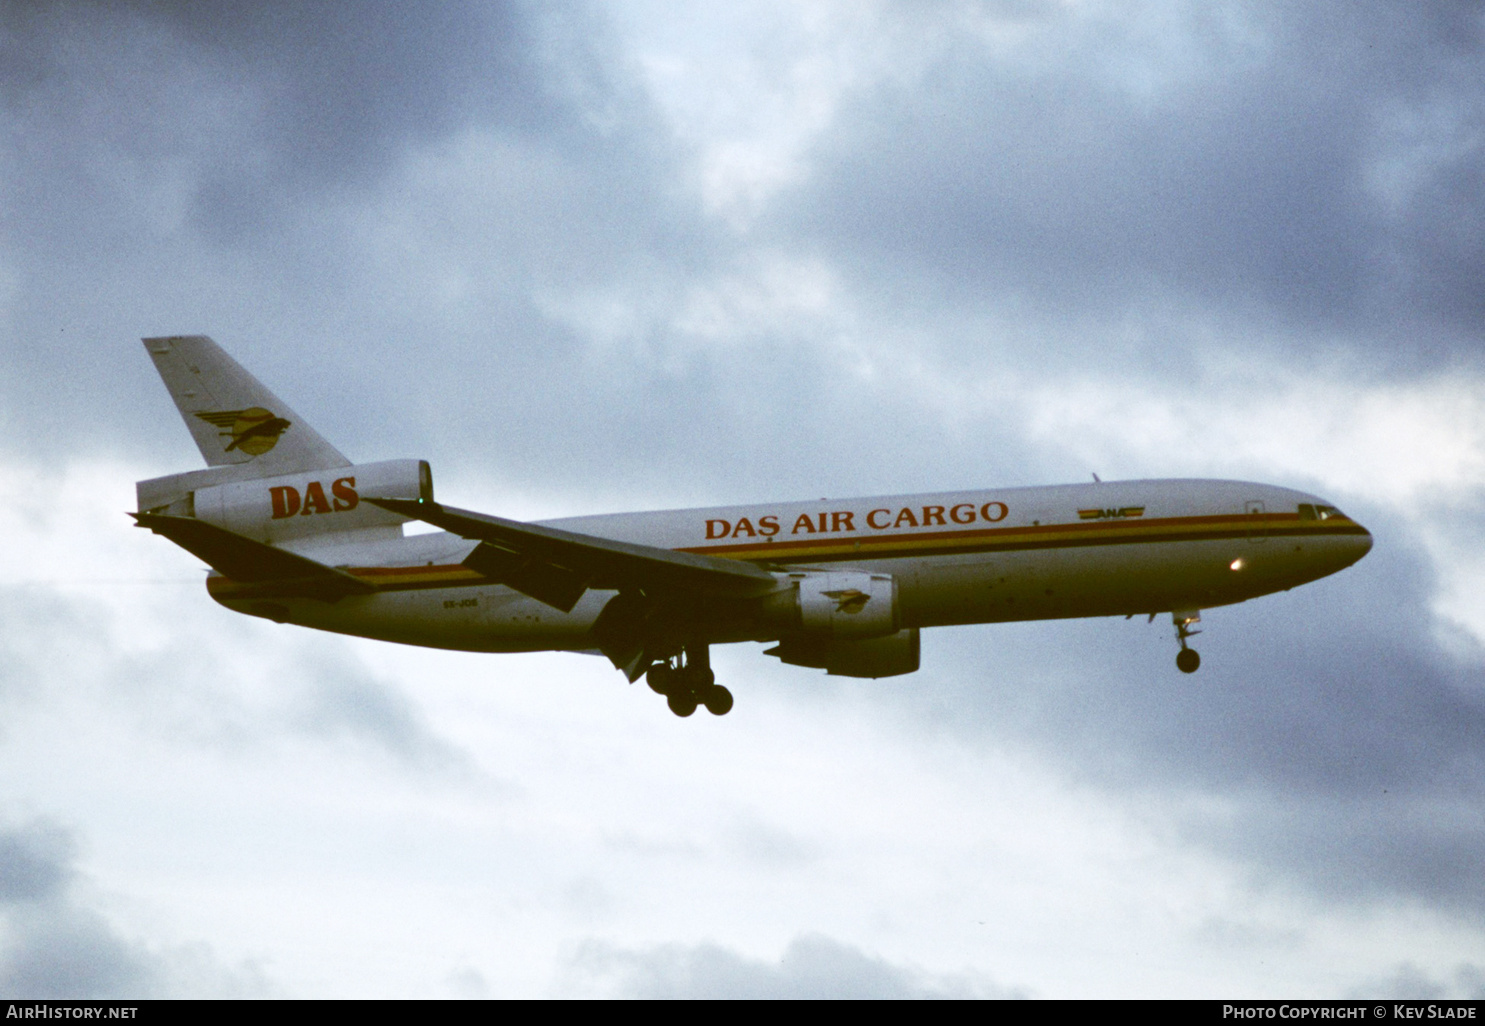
(681, 703)
(661, 678)
(1187, 660)
(686, 680)
(717, 699)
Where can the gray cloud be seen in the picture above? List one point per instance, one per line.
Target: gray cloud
(56, 946)
(811, 967)
(337, 700)
(206, 167)
(71, 953)
(34, 863)
(330, 94)
(1408, 982)
(197, 695)
(1310, 167)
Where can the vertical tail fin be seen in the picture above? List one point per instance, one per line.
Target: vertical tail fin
(234, 419)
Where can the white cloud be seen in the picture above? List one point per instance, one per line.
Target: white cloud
(749, 91)
(587, 812)
(810, 967)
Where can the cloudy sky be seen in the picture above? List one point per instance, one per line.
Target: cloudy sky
(588, 258)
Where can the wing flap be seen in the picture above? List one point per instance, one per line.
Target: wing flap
(555, 585)
(558, 561)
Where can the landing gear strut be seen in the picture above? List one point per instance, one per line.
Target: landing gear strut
(1187, 660)
(687, 681)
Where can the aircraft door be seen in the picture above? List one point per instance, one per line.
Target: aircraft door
(1258, 531)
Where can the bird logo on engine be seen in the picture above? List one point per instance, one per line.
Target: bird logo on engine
(253, 430)
(849, 601)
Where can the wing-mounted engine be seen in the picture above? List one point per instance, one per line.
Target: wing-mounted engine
(289, 506)
(836, 604)
(844, 622)
(870, 657)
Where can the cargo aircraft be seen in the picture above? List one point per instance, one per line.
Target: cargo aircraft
(296, 533)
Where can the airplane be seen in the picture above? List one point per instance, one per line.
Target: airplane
(296, 533)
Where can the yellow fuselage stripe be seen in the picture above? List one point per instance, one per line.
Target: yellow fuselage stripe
(857, 545)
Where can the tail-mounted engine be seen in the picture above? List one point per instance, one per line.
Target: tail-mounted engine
(275, 509)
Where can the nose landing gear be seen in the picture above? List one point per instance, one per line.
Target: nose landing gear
(688, 681)
(1187, 660)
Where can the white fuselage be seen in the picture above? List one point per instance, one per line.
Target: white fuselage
(1104, 549)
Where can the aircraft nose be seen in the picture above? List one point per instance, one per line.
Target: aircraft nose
(1355, 545)
(1344, 539)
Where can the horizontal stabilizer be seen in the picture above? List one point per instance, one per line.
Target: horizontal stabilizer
(561, 560)
(245, 561)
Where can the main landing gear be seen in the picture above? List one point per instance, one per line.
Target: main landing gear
(1187, 660)
(688, 681)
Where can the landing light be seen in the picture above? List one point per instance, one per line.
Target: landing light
(1236, 564)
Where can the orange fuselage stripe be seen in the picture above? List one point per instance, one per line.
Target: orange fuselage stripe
(995, 539)
(921, 543)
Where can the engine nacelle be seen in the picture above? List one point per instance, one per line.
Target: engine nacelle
(837, 604)
(275, 509)
(871, 657)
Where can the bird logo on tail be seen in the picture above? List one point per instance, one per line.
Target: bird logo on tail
(253, 430)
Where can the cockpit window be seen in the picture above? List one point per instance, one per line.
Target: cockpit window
(1311, 512)
(1328, 513)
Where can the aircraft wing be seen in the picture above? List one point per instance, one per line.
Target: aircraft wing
(556, 566)
(276, 571)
